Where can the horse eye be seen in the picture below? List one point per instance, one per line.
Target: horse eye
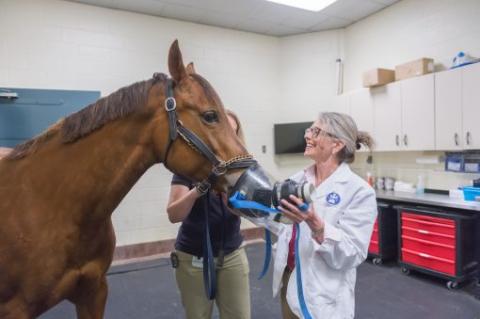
(210, 117)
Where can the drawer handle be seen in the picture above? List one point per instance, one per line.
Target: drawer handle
(424, 255)
(421, 231)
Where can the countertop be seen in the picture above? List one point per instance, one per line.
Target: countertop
(429, 199)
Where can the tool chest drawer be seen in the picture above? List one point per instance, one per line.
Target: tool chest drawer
(429, 224)
(428, 261)
(421, 233)
(429, 247)
(437, 242)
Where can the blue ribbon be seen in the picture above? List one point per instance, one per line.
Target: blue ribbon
(301, 298)
(238, 201)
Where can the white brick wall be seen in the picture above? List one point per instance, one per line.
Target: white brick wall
(64, 45)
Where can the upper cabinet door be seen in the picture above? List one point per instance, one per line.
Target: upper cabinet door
(387, 117)
(448, 110)
(361, 110)
(471, 106)
(418, 113)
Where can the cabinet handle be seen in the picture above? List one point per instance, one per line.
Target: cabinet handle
(397, 140)
(405, 140)
(468, 138)
(424, 255)
(455, 139)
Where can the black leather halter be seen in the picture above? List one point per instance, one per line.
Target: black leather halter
(176, 128)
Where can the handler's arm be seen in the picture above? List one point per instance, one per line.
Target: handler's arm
(180, 202)
(4, 151)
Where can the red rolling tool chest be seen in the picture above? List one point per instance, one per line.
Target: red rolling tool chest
(383, 244)
(437, 242)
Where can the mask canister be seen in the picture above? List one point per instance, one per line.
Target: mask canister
(256, 195)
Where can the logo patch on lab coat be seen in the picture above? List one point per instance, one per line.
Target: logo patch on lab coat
(333, 198)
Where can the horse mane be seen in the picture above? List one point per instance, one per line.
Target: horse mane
(77, 125)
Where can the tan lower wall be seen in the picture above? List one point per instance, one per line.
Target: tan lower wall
(143, 250)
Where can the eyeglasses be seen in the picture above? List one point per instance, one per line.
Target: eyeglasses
(315, 132)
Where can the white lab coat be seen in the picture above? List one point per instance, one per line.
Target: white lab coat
(329, 269)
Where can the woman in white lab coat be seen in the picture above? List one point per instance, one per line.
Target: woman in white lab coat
(335, 232)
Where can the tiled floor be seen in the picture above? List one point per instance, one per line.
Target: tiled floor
(147, 290)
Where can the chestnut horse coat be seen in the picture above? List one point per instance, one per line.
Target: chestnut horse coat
(58, 190)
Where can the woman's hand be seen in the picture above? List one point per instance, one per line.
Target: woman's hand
(293, 212)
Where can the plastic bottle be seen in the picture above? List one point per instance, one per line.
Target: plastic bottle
(420, 185)
(369, 179)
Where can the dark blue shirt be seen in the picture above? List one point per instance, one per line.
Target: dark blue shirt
(191, 233)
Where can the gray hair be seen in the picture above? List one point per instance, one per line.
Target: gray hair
(343, 127)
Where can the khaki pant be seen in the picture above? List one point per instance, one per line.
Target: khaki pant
(233, 289)
(286, 311)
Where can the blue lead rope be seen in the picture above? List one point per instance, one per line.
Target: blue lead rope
(301, 298)
(209, 273)
(238, 201)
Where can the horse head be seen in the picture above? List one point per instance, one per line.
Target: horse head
(199, 142)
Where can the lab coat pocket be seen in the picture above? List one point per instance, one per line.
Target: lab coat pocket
(326, 282)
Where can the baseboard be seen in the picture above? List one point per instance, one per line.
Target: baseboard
(160, 247)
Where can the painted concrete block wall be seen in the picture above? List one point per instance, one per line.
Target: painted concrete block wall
(266, 80)
(65, 45)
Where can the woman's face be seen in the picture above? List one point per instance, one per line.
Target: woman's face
(322, 145)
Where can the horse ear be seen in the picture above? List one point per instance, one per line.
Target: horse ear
(175, 62)
(190, 68)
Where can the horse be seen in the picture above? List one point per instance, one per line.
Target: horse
(60, 188)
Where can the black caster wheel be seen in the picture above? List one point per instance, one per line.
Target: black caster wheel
(406, 271)
(452, 285)
(377, 261)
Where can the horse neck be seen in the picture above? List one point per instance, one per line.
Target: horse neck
(98, 170)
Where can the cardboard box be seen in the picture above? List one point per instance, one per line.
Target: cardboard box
(413, 68)
(376, 77)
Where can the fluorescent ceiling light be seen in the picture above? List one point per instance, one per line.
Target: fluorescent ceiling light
(310, 5)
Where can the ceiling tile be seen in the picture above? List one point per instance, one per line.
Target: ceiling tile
(330, 23)
(352, 9)
(257, 16)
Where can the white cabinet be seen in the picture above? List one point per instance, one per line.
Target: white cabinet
(361, 110)
(448, 110)
(471, 106)
(404, 115)
(457, 108)
(387, 116)
(418, 113)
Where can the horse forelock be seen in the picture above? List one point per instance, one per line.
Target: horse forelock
(77, 125)
(207, 88)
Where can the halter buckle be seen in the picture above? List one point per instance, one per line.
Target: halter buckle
(220, 168)
(203, 187)
(170, 104)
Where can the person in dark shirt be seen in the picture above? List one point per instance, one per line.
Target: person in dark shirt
(186, 205)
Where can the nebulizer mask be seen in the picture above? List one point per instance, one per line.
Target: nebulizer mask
(256, 195)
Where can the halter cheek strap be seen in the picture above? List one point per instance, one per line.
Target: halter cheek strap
(176, 129)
